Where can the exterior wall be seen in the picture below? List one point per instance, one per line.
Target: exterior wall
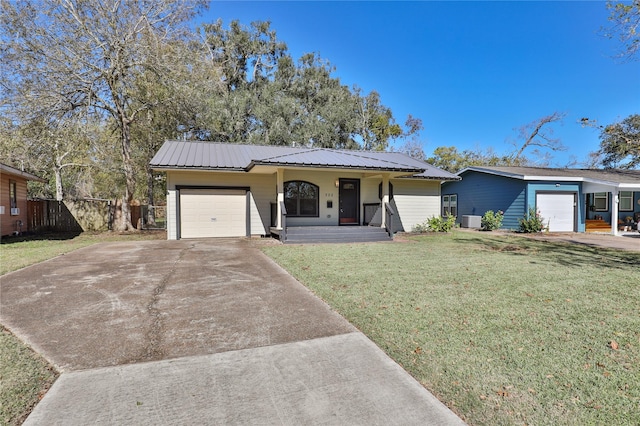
(606, 215)
(328, 192)
(480, 192)
(415, 200)
(263, 193)
(636, 208)
(534, 187)
(8, 222)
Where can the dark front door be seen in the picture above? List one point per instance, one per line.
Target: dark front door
(349, 201)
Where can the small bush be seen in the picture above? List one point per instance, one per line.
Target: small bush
(491, 220)
(436, 224)
(532, 223)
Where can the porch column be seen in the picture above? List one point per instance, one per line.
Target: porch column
(280, 197)
(615, 200)
(385, 198)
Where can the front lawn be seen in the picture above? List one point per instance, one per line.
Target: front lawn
(21, 251)
(502, 329)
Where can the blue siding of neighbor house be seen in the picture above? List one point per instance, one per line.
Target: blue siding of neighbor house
(479, 192)
(534, 187)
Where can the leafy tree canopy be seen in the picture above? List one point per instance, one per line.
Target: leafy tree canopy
(620, 144)
(624, 19)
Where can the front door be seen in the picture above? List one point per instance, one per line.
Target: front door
(349, 195)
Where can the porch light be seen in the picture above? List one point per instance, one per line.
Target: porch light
(337, 183)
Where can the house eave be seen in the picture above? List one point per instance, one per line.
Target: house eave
(20, 173)
(330, 166)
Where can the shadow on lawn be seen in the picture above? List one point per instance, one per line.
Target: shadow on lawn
(46, 236)
(567, 254)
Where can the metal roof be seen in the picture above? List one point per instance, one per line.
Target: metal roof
(613, 176)
(238, 157)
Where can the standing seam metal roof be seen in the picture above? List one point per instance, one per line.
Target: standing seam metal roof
(222, 156)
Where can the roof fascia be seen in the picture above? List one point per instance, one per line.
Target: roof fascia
(255, 163)
(555, 178)
(195, 169)
(17, 172)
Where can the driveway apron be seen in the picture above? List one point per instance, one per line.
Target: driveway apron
(199, 332)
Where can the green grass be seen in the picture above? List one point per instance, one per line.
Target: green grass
(19, 252)
(502, 329)
(24, 378)
(24, 375)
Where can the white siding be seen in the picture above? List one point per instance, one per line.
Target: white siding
(415, 201)
(263, 193)
(172, 228)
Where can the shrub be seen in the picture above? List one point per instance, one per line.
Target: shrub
(532, 223)
(491, 220)
(436, 224)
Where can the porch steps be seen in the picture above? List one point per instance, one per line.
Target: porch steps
(597, 225)
(335, 234)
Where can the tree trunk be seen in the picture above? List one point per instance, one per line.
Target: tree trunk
(57, 171)
(129, 174)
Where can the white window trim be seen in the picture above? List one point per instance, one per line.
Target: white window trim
(627, 197)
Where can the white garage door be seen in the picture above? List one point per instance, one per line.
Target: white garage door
(213, 213)
(557, 211)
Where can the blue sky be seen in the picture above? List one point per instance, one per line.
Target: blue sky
(473, 71)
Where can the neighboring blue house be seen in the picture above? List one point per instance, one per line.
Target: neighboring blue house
(569, 200)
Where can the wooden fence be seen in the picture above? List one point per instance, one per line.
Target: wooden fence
(69, 216)
(86, 215)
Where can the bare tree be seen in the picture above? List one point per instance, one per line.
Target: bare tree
(539, 134)
(60, 56)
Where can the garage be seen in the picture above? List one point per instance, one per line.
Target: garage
(206, 213)
(558, 210)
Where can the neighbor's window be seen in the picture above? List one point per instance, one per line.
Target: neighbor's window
(601, 201)
(301, 199)
(450, 205)
(626, 201)
(13, 194)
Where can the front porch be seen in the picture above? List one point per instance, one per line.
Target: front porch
(604, 227)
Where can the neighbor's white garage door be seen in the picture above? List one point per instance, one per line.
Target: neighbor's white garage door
(213, 213)
(557, 211)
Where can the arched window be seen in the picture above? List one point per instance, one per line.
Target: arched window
(301, 199)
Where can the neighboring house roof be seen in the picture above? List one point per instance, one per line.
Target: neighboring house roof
(238, 157)
(609, 177)
(17, 172)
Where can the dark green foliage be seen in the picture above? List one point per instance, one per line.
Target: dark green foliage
(436, 224)
(491, 221)
(532, 223)
(620, 143)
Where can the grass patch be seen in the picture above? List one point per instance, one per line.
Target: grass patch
(24, 375)
(502, 329)
(19, 252)
(24, 378)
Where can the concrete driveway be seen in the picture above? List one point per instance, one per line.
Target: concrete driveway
(199, 332)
